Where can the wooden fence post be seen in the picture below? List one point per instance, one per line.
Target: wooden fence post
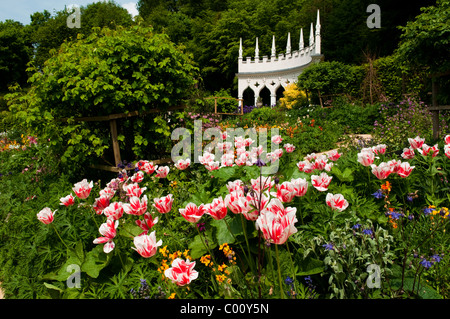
(115, 141)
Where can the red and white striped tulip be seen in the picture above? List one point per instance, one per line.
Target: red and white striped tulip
(69, 200)
(83, 189)
(336, 202)
(182, 272)
(146, 245)
(108, 230)
(163, 204)
(192, 213)
(46, 215)
(321, 182)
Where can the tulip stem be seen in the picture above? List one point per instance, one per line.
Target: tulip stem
(59, 235)
(246, 241)
(279, 273)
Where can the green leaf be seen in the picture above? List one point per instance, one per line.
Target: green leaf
(96, 260)
(310, 266)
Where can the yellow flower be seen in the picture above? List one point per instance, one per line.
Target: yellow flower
(206, 260)
(163, 251)
(222, 267)
(172, 296)
(221, 278)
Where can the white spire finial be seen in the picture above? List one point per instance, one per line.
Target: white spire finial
(318, 23)
(256, 50)
(288, 45)
(301, 44)
(318, 41)
(240, 48)
(274, 50)
(311, 35)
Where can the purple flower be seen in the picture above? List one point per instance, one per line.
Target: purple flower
(328, 246)
(378, 194)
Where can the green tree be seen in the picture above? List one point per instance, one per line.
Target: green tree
(15, 52)
(49, 32)
(425, 40)
(108, 72)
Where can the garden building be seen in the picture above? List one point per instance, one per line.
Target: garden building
(269, 76)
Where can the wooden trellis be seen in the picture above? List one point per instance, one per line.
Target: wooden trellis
(113, 128)
(241, 103)
(435, 107)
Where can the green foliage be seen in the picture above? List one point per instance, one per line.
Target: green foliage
(331, 78)
(110, 71)
(15, 53)
(425, 40)
(409, 118)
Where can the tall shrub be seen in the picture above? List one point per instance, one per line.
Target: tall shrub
(110, 71)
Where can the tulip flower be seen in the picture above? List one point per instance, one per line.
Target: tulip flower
(83, 189)
(277, 139)
(101, 203)
(146, 245)
(447, 139)
(321, 182)
(163, 204)
(447, 150)
(381, 171)
(285, 192)
(46, 215)
(114, 210)
(67, 201)
(404, 169)
(366, 158)
(289, 147)
(183, 164)
(192, 213)
(262, 182)
(426, 149)
(162, 171)
(108, 230)
(408, 153)
(136, 206)
(182, 272)
(379, 149)
(147, 223)
(333, 155)
(277, 223)
(416, 142)
(146, 166)
(211, 166)
(108, 192)
(217, 209)
(137, 177)
(133, 190)
(336, 201)
(232, 201)
(300, 186)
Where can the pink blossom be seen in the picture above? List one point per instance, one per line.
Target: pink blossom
(146, 245)
(163, 204)
(192, 213)
(83, 189)
(147, 223)
(67, 201)
(46, 215)
(162, 171)
(336, 201)
(108, 230)
(321, 182)
(182, 272)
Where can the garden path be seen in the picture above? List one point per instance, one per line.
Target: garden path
(354, 139)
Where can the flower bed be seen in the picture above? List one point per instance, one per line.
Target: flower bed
(346, 224)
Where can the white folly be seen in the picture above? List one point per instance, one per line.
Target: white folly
(278, 70)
